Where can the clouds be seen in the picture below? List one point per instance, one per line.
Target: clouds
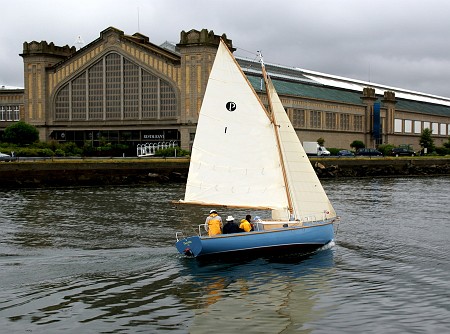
(397, 43)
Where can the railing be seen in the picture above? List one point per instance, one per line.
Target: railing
(149, 149)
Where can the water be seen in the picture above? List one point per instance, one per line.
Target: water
(102, 260)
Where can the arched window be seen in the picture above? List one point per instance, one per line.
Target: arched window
(115, 88)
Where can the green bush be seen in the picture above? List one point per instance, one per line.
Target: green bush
(447, 144)
(357, 144)
(33, 152)
(21, 133)
(170, 152)
(26, 152)
(70, 149)
(386, 149)
(442, 150)
(45, 152)
(59, 153)
(334, 151)
(87, 149)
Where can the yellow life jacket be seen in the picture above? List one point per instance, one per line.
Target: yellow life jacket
(245, 225)
(214, 226)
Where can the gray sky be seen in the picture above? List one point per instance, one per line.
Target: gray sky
(399, 43)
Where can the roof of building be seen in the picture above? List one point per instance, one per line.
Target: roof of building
(316, 85)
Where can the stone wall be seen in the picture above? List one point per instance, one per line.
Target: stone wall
(90, 172)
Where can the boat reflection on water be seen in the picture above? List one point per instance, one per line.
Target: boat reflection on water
(260, 295)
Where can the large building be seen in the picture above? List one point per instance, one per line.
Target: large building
(125, 89)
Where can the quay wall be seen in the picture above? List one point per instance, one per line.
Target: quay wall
(119, 171)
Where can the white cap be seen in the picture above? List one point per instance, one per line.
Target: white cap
(213, 211)
(229, 218)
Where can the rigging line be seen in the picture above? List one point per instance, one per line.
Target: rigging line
(251, 52)
(256, 55)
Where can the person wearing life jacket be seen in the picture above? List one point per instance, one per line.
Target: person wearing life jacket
(245, 224)
(213, 223)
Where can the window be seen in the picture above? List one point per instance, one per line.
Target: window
(79, 97)
(16, 113)
(358, 123)
(113, 73)
(9, 114)
(330, 120)
(426, 125)
(95, 78)
(417, 127)
(345, 121)
(62, 104)
(408, 126)
(435, 128)
(316, 120)
(168, 100)
(443, 129)
(149, 95)
(131, 76)
(398, 125)
(298, 118)
(114, 88)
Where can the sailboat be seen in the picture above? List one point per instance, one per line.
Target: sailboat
(247, 155)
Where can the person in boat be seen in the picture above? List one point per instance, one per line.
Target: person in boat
(245, 225)
(213, 223)
(230, 226)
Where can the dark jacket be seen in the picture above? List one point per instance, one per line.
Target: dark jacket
(231, 227)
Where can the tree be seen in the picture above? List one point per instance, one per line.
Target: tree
(357, 144)
(321, 141)
(426, 141)
(21, 133)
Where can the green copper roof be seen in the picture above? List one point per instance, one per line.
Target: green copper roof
(426, 108)
(321, 92)
(309, 90)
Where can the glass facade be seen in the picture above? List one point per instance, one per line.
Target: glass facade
(115, 88)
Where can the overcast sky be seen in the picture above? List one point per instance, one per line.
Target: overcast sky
(399, 43)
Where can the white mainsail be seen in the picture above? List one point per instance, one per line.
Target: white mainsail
(235, 157)
(234, 160)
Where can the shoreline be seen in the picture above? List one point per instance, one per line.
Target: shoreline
(64, 172)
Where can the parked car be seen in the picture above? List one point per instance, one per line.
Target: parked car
(399, 151)
(369, 152)
(345, 153)
(5, 157)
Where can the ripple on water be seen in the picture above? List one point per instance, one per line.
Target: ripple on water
(103, 260)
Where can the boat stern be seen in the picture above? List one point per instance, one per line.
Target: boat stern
(190, 246)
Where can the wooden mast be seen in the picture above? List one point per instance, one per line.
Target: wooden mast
(276, 127)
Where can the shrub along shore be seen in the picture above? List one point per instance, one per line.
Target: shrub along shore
(42, 173)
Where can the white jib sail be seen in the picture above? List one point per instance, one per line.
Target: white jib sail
(309, 200)
(234, 160)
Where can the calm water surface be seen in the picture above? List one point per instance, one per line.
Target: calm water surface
(102, 260)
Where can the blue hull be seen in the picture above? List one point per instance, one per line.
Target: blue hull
(278, 241)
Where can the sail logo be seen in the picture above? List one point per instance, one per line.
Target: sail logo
(231, 106)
